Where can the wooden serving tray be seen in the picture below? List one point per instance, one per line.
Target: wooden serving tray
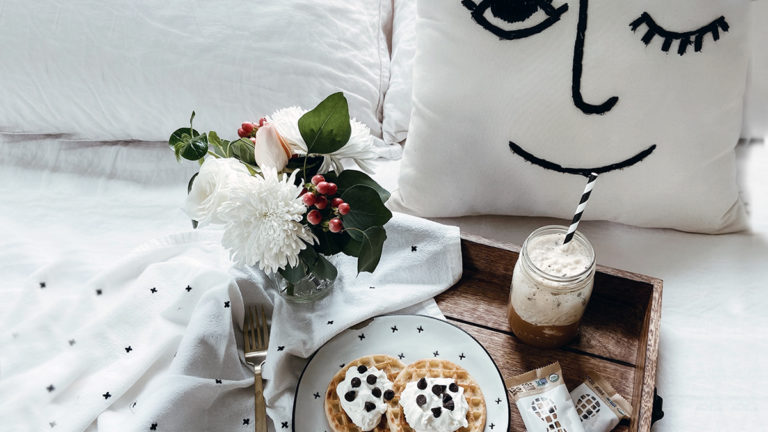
(619, 333)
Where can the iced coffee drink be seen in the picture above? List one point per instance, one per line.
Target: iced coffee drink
(551, 286)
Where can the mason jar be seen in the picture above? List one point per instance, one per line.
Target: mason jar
(551, 286)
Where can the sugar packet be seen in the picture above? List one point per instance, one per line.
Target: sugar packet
(599, 407)
(543, 400)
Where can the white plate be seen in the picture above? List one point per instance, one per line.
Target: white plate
(410, 337)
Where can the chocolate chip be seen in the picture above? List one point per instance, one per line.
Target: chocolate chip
(355, 382)
(421, 400)
(369, 406)
(371, 379)
(361, 369)
(422, 384)
(376, 392)
(350, 396)
(437, 412)
(448, 402)
(389, 394)
(453, 387)
(438, 389)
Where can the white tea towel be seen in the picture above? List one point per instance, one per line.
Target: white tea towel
(420, 260)
(155, 343)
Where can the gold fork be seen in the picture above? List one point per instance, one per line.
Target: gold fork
(255, 343)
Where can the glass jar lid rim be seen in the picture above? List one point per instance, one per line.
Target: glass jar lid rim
(578, 236)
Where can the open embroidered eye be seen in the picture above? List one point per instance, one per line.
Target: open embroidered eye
(685, 38)
(510, 19)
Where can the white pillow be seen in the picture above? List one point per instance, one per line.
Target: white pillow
(397, 101)
(511, 126)
(756, 103)
(136, 69)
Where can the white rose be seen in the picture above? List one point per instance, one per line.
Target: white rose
(212, 187)
(270, 149)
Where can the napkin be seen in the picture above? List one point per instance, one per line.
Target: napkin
(155, 341)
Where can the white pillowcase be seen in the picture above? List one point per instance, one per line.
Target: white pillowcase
(397, 101)
(756, 103)
(397, 104)
(136, 69)
(511, 126)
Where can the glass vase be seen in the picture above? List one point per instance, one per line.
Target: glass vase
(308, 289)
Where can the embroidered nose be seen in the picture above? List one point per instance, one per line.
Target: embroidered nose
(578, 57)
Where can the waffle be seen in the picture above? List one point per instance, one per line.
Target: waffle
(337, 418)
(435, 368)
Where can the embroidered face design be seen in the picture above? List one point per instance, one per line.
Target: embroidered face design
(599, 97)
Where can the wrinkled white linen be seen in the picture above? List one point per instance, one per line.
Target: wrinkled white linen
(96, 337)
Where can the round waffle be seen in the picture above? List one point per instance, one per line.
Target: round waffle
(337, 418)
(435, 368)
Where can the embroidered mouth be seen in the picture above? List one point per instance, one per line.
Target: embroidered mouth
(580, 171)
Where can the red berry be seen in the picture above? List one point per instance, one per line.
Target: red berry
(321, 202)
(308, 199)
(323, 187)
(262, 121)
(344, 208)
(336, 202)
(253, 140)
(317, 179)
(314, 217)
(247, 127)
(335, 225)
(241, 133)
(332, 188)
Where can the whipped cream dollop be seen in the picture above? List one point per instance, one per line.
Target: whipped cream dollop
(364, 394)
(434, 405)
(550, 255)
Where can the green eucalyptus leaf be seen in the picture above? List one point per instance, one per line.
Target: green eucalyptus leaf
(196, 148)
(218, 144)
(367, 210)
(351, 246)
(350, 178)
(317, 264)
(326, 128)
(242, 149)
(370, 249)
(188, 143)
(191, 181)
(293, 274)
(328, 243)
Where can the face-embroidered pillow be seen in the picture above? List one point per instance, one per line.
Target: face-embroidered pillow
(515, 102)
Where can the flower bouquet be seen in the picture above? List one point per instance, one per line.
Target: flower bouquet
(282, 195)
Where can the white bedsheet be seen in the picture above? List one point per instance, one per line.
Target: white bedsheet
(86, 205)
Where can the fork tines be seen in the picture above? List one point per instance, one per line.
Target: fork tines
(256, 330)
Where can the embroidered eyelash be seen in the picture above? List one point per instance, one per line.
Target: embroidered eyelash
(685, 37)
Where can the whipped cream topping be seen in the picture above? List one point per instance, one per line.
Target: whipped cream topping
(550, 255)
(364, 394)
(434, 405)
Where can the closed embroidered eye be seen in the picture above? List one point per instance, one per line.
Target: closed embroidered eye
(504, 17)
(685, 38)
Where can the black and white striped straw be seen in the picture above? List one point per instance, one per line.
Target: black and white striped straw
(580, 208)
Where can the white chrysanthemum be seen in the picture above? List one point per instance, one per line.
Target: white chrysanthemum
(212, 187)
(263, 222)
(359, 148)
